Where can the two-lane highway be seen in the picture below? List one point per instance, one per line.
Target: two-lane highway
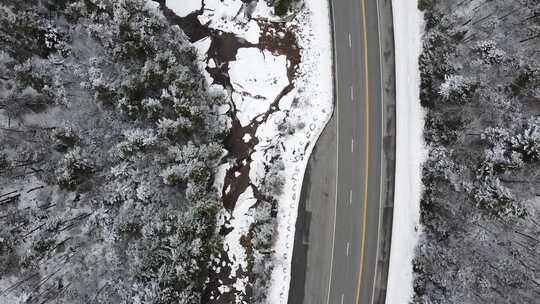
(359, 126)
(341, 265)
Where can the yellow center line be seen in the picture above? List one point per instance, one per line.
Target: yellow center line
(366, 152)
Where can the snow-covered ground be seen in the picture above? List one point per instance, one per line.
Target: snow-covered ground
(410, 150)
(315, 95)
(292, 126)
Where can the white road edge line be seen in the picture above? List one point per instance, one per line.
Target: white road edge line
(337, 155)
(381, 150)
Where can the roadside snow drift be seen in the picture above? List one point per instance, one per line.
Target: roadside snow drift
(410, 151)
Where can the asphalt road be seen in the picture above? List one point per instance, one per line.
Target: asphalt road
(345, 223)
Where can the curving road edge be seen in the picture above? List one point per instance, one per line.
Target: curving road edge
(342, 255)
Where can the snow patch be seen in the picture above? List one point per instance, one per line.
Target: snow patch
(202, 47)
(183, 8)
(219, 179)
(240, 221)
(228, 16)
(257, 79)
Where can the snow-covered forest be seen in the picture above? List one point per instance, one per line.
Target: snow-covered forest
(109, 139)
(480, 86)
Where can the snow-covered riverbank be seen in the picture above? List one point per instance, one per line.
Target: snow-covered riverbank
(278, 77)
(315, 95)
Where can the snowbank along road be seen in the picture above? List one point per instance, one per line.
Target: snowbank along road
(349, 270)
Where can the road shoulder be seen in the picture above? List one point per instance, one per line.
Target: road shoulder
(315, 221)
(386, 32)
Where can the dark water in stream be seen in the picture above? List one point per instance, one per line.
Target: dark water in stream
(277, 38)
